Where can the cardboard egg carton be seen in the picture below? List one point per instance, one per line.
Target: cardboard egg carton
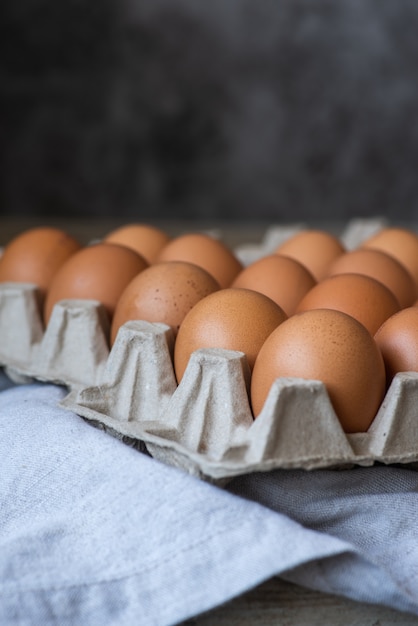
(203, 425)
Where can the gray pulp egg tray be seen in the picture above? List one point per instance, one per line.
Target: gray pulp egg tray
(203, 425)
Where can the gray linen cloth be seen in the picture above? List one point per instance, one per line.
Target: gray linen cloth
(94, 532)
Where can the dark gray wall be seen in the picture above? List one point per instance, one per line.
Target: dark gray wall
(272, 109)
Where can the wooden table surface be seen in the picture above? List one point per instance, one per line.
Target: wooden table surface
(86, 229)
(275, 602)
(280, 603)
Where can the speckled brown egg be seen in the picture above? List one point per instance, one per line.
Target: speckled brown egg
(365, 298)
(281, 278)
(164, 292)
(97, 272)
(401, 243)
(207, 252)
(397, 339)
(331, 347)
(381, 266)
(145, 239)
(232, 319)
(36, 255)
(315, 249)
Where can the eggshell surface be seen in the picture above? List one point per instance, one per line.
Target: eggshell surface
(232, 319)
(315, 249)
(397, 339)
(381, 266)
(281, 278)
(207, 252)
(164, 292)
(97, 272)
(145, 239)
(331, 347)
(364, 298)
(36, 255)
(400, 243)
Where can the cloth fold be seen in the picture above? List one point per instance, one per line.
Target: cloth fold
(94, 532)
(372, 509)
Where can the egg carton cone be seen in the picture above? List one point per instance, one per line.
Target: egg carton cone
(203, 425)
(273, 237)
(71, 351)
(360, 229)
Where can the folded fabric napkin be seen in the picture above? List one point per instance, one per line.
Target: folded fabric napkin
(94, 532)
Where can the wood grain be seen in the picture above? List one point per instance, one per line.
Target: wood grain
(277, 602)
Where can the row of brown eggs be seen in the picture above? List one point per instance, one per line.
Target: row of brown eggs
(312, 309)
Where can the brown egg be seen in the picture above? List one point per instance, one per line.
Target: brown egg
(315, 249)
(98, 272)
(400, 243)
(382, 267)
(207, 252)
(35, 255)
(232, 319)
(332, 347)
(364, 298)
(281, 278)
(145, 239)
(164, 292)
(397, 339)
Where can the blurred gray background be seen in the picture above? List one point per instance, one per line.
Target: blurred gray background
(249, 109)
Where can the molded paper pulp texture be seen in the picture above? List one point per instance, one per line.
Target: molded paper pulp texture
(204, 424)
